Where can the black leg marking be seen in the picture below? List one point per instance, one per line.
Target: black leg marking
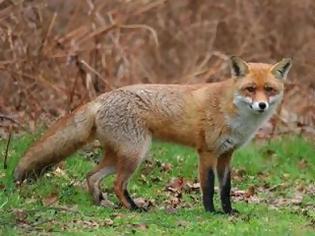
(101, 197)
(225, 192)
(133, 205)
(208, 192)
(129, 199)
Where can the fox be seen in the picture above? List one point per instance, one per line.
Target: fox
(213, 118)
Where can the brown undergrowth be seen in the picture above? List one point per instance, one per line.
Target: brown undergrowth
(56, 55)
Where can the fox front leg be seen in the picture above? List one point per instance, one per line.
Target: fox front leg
(207, 165)
(224, 176)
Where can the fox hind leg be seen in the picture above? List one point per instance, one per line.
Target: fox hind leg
(126, 166)
(106, 167)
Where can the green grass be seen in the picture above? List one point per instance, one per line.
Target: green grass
(280, 171)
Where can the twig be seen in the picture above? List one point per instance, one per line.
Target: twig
(101, 30)
(95, 72)
(51, 25)
(5, 166)
(9, 118)
(143, 26)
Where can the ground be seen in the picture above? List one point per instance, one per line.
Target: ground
(273, 189)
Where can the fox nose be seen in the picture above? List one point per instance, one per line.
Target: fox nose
(262, 105)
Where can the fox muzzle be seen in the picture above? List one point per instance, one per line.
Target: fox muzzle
(260, 106)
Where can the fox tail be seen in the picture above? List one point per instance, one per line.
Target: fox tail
(59, 141)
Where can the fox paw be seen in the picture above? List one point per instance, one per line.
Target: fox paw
(107, 203)
(101, 200)
(139, 209)
(232, 212)
(215, 212)
(235, 212)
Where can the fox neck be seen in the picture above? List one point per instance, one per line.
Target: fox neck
(242, 122)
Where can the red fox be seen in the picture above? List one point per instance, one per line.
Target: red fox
(214, 118)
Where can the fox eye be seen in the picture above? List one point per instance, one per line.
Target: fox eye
(250, 89)
(269, 89)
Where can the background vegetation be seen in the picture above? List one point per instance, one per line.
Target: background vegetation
(58, 54)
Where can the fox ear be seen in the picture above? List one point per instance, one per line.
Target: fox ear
(281, 69)
(238, 66)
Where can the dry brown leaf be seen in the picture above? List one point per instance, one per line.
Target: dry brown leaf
(250, 191)
(141, 226)
(303, 164)
(2, 187)
(238, 175)
(156, 179)
(118, 216)
(191, 187)
(170, 209)
(297, 198)
(166, 167)
(144, 203)
(108, 222)
(144, 179)
(59, 172)
(20, 216)
(176, 185)
(50, 199)
(182, 223)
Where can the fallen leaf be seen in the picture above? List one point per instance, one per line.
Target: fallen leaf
(59, 172)
(176, 185)
(108, 222)
(238, 175)
(297, 198)
(107, 203)
(301, 188)
(182, 223)
(2, 186)
(118, 216)
(141, 226)
(144, 179)
(281, 186)
(250, 191)
(144, 203)
(192, 187)
(170, 210)
(166, 167)
(50, 199)
(156, 179)
(303, 164)
(245, 196)
(89, 224)
(20, 215)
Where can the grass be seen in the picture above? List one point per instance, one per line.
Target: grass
(281, 172)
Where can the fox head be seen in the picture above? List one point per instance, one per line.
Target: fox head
(259, 87)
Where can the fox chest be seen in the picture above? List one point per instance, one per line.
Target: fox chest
(239, 132)
(230, 142)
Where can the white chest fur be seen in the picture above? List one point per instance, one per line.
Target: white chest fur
(242, 129)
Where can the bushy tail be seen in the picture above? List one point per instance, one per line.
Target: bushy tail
(59, 141)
